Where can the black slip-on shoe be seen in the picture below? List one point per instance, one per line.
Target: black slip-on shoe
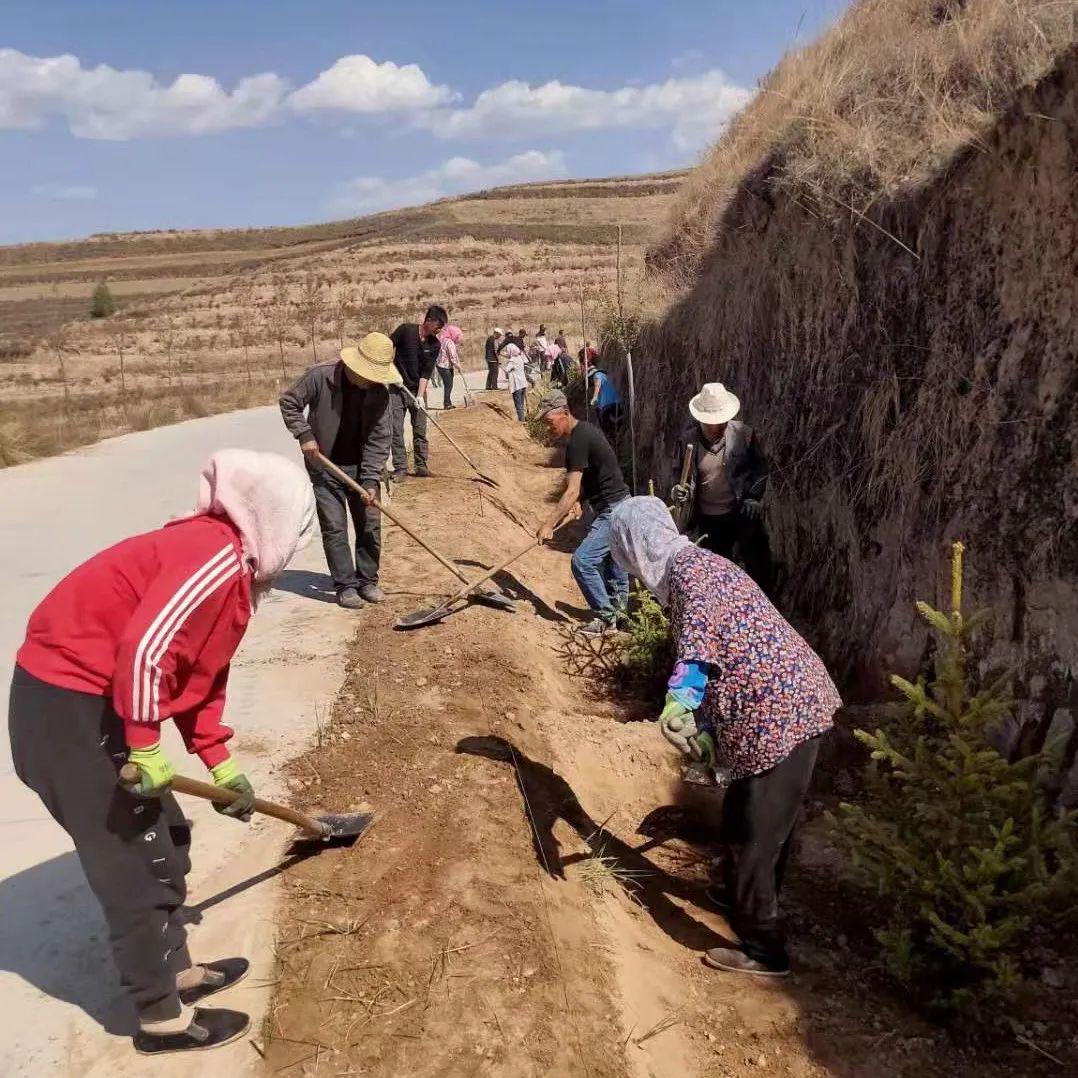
(210, 1028)
(730, 960)
(219, 976)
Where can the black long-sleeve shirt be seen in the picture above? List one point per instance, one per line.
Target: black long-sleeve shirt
(415, 357)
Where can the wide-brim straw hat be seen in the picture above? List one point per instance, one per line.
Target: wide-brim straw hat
(714, 404)
(372, 359)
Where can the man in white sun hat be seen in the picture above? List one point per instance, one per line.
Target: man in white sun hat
(723, 496)
(348, 419)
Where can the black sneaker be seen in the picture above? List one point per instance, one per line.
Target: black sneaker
(595, 627)
(210, 1028)
(219, 976)
(731, 960)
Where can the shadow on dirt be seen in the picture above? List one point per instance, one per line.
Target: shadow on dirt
(549, 798)
(307, 584)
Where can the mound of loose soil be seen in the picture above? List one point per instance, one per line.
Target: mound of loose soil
(530, 901)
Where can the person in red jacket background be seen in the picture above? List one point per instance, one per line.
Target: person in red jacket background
(141, 633)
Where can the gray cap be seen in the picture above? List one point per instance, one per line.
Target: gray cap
(554, 400)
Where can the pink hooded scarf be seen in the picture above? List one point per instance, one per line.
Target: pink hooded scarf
(269, 500)
(450, 336)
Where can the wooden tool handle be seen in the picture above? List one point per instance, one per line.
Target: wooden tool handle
(220, 795)
(498, 568)
(686, 463)
(449, 438)
(370, 499)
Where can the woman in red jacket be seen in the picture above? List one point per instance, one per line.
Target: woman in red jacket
(141, 633)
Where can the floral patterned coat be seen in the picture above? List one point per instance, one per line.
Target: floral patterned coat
(767, 690)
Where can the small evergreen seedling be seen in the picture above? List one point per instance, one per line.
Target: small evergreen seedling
(961, 843)
(101, 303)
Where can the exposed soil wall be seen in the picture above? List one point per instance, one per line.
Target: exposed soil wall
(915, 377)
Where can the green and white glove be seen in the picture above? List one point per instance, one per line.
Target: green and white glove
(679, 494)
(155, 771)
(228, 776)
(678, 725)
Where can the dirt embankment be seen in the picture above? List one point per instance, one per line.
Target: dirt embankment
(531, 901)
(914, 374)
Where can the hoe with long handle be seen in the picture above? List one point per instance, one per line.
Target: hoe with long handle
(449, 438)
(491, 598)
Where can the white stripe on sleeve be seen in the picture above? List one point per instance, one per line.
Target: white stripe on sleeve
(140, 679)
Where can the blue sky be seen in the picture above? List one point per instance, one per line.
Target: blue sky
(290, 112)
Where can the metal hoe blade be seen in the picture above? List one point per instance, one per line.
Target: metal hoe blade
(340, 829)
(418, 618)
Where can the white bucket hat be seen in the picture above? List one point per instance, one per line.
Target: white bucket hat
(714, 404)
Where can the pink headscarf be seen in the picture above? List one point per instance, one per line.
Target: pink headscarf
(552, 352)
(269, 500)
(451, 333)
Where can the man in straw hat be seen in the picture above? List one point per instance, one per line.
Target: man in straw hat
(347, 419)
(725, 489)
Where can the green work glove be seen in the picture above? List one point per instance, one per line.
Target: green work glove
(702, 747)
(677, 724)
(228, 775)
(679, 494)
(155, 771)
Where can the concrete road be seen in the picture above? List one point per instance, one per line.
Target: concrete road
(61, 1010)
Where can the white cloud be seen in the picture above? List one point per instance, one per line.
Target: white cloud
(65, 193)
(694, 109)
(359, 84)
(458, 175)
(104, 103)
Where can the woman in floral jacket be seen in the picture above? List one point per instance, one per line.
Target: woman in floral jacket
(746, 694)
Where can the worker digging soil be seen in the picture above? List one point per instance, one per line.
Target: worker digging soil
(141, 633)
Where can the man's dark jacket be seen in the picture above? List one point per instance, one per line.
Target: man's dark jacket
(321, 392)
(746, 465)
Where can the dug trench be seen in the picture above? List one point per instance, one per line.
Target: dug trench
(531, 900)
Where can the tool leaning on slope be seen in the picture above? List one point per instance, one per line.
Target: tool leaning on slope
(141, 633)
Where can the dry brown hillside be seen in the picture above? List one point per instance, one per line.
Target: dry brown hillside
(212, 319)
(879, 257)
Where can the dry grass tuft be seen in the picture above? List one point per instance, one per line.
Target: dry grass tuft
(880, 104)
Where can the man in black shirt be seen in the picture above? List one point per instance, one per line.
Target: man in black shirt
(491, 355)
(341, 410)
(416, 350)
(592, 474)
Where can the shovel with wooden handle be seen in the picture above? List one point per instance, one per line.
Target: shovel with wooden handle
(335, 829)
(449, 438)
(491, 598)
(680, 511)
(428, 617)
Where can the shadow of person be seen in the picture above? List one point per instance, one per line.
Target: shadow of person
(309, 585)
(54, 937)
(516, 589)
(548, 798)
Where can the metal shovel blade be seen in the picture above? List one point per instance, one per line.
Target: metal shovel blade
(418, 618)
(340, 829)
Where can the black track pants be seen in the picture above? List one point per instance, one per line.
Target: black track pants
(758, 819)
(67, 747)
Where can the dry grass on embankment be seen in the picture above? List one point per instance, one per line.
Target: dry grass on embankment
(879, 258)
(879, 105)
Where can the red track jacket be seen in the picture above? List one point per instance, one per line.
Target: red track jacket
(152, 622)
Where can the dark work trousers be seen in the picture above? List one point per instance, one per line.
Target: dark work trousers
(335, 502)
(68, 747)
(492, 374)
(447, 386)
(737, 537)
(403, 406)
(758, 818)
(518, 402)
